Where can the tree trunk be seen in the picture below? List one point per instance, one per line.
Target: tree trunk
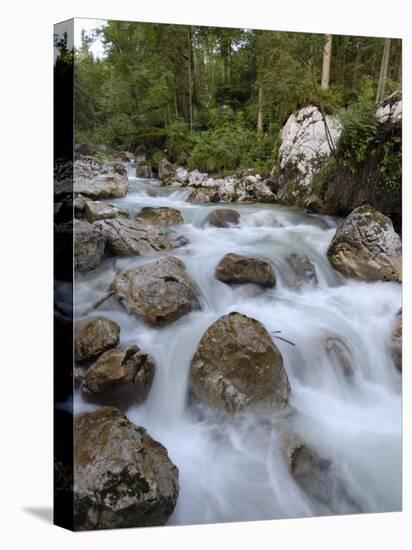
(380, 94)
(189, 75)
(260, 112)
(327, 56)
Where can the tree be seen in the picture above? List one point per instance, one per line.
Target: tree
(383, 76)
(327, 56)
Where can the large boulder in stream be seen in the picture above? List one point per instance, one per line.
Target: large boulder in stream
(159, 292)
(122, 477)
(162, 216)
(97, 182)
(89, 245)
(223, 217)
(237, 366)
(120, 377)
(367, 247)
(237, 269)
(96, 210)
(95, 336)
(396, 341)
(127, 237)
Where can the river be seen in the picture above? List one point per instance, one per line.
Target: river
(234, 470)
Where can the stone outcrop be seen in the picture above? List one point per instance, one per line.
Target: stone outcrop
(89, 245)
(366, 247)
(122, 477)
(396, 341)
(237, 269)
(126, 237)
(97, 182)
(120, 377)
(159, 292)
(223, 217)
(95, 336)
(237, 366)
(304, 272)
(162, 216)
(95, 210)
(305, 147)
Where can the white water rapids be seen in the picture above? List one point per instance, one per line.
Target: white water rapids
(234, 470)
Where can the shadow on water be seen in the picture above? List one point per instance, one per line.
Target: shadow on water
(44, 513)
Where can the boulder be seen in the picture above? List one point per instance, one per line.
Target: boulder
(396, 341)
(304, 272)
(237, 366)
(89, 245)
(223, 217)
(127, 237)
(122, 477)
(339, 355)
(120, 377)
(165, 169)
(317, 476)
(94, 336)
(366, 247)
(390, 109)
(304, 148)
(97, 182)
(143, 170)
(158, 292)
(162, 216)
(95, 210)
(203, 195)
(237, 269)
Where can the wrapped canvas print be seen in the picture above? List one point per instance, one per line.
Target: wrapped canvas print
(228, 323)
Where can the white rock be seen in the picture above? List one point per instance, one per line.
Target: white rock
(304, 141)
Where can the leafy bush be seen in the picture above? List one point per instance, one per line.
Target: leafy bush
(359, 129)
(179, 142)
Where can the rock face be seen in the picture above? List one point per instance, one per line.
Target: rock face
(159, 292)
(396, 341)
(122, 477)
(304, 272)
(366, 247)
(89, 246)
(97, 182)
(95, 336)
(159, 216)
(304, 149)
(237, 269)
(237, 366)
(120, 377)
(223, 217)
(95, 210)
(127, 237)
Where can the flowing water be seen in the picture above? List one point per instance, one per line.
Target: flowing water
(235, 470)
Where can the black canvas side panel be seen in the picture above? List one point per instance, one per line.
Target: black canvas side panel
(63, 273)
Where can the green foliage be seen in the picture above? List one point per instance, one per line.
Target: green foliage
(179, 142)
(391, 164)
(359, 129)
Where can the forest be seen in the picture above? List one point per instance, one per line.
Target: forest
(216, 98)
